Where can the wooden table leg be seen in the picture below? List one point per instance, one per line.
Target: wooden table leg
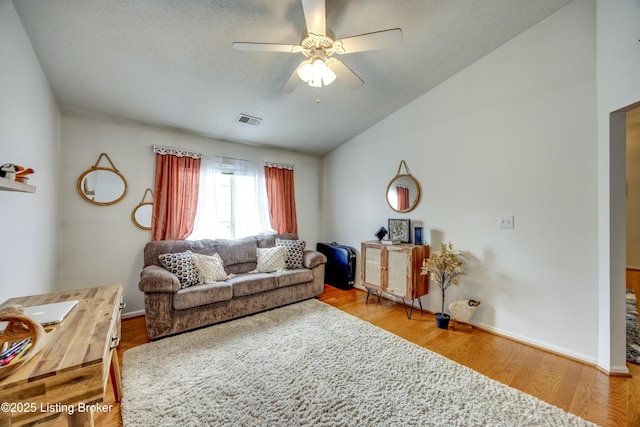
(5, 418)
(81, 419)
(116, 376)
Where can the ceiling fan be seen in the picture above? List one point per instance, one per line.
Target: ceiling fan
(321, 68)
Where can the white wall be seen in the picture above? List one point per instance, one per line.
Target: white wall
(513, 134)
(29, 136)
(101, 245)
(618, 88)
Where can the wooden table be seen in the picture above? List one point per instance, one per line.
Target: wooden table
(69, 374)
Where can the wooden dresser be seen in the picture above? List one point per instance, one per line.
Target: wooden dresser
(69, 374)
(394, 269)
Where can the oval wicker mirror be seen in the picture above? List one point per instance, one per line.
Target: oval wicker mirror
(101, 185)
(141, 215)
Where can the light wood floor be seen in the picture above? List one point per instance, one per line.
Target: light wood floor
(570, 385)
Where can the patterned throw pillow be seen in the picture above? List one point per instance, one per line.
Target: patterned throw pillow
(181, 264)
(211, 268)
(295, 251)
(270, 259)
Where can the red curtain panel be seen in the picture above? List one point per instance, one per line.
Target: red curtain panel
(175, 196)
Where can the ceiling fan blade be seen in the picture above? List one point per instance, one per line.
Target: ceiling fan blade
(294, 80)
(371, 41)
(345, 75)
(315, 16)
(265, 47)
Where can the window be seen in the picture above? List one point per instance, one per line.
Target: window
(232, 200)
(224, 205)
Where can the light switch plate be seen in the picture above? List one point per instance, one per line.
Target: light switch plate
(505, 221)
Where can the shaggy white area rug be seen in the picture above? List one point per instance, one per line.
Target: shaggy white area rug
(310, 364)
(633, 337)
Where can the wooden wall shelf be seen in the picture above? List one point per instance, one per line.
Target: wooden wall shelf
(9, 185)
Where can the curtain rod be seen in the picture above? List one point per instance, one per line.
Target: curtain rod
(182, 152)
(279, 165)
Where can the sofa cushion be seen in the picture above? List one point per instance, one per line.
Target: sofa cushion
(195, 296)
(269, 240)
(270, 259)
(181, 264)
(295, 250)
(239, 256)
(293, 277)
(153, 250)
(252, 283)
(211, 268)
(266, 240)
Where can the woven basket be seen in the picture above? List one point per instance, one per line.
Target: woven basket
(19, 327)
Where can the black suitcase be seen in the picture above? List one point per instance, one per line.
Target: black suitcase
(340, 270)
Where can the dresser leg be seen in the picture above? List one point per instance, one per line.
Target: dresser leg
(116, 376)
(375, 291)
(410, 312)
(81, 419)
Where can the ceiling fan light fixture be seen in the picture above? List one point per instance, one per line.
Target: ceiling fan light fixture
(328, 76)
(315, 73)
(305, 72)
(315, 82)
(319, 45)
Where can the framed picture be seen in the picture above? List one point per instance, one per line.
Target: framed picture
(400, 229)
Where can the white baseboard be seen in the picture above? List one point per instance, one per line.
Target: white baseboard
(541, 345)
(514, 337)
(132, 314)
(615, 370)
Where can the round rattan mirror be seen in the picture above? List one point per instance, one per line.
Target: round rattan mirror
(403, 192)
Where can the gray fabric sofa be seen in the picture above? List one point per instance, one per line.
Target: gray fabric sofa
(170, 309)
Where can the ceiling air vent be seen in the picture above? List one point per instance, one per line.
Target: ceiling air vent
(254, 121)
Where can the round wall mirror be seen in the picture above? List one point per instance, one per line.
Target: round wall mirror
(403, 191)
(102, 186)
(141, 215)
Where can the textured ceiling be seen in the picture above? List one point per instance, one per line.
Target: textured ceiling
(170, 62)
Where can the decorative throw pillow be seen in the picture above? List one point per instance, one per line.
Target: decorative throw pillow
(295, 251)
(211, 268)
(270, 259)
(181, 264)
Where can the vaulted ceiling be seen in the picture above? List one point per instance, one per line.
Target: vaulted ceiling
(170, 62)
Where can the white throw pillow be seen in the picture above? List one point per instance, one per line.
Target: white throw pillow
(270, 259)
(211, 268)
